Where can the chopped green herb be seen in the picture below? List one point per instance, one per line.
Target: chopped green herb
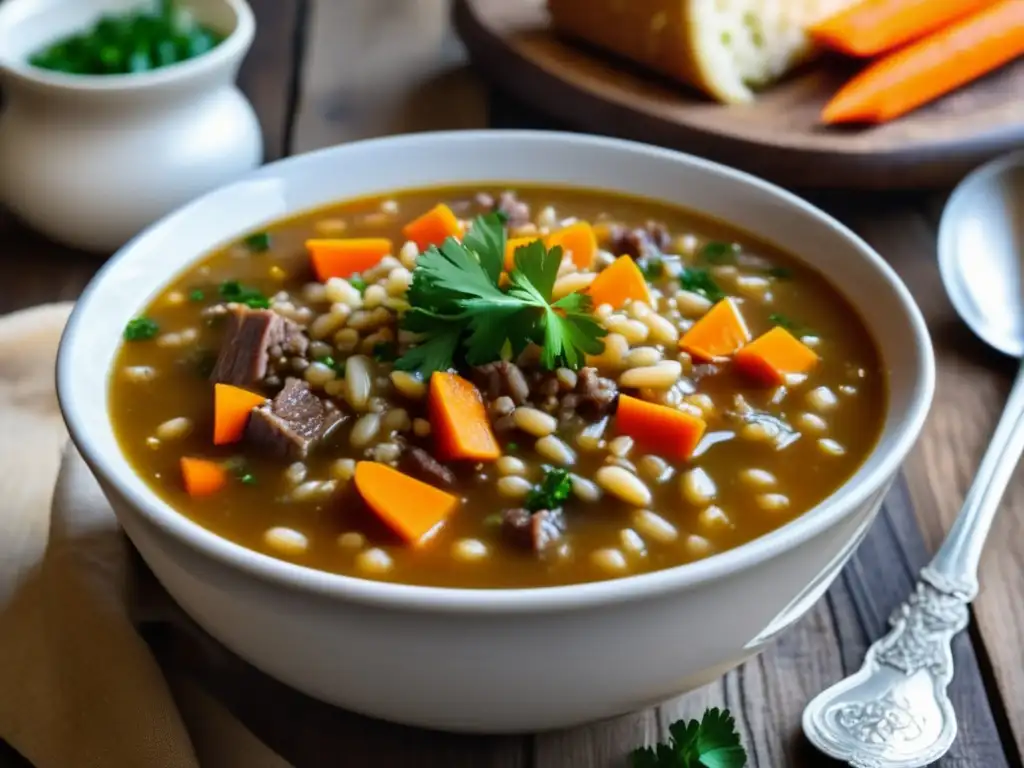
(140, 329)
(358, 283)
(196, 295)
(384, 352)
(700, 281)
(258, 242)
(552, 492)
(457, 303)
(235, 292)
(511, 447)
(653, 268)
(248, 479)
(330, 362)
(715, 252)
(129, 43)
(782, 273)
(789, 324)
(711, 743)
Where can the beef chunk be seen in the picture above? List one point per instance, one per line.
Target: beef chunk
(501, 378)
(251, 338)
(293, 423)
(516, 211)
(421, 464)
(642, 242)
(533, 530)
(596, 395)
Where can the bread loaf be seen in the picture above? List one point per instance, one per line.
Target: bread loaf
(725, 48)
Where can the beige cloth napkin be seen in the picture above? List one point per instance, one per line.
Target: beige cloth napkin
(79, 687)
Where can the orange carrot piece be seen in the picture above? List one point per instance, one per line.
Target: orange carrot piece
(718, 334)
(511, 245)
(619, 282)
(772, 356)
(202, 477)
(664, 431)
(871, 27)
(409, 507)
(458, 420)
(231, 409)
(931, 67)
(579, 240)
(346, 256)
(433, 227)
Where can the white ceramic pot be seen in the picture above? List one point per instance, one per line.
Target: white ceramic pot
(92, 160)
(494, 660)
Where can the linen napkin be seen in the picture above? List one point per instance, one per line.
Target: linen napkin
(78, 685)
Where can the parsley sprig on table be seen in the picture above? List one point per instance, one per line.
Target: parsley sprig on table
(711, 743)
(458, 305)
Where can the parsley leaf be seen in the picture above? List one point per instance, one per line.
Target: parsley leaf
(384, 352)
(258, 242)
(699, 281)
(552, 492)
(652, 268)
(715, 252)
(458, 306)
(358, 283)
(711, 743)
(196, 295)
(234, 292)
(140, 329)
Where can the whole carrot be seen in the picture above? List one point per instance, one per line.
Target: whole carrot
(932, 67)
(871, 27)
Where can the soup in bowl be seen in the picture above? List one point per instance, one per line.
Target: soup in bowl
(390, 418)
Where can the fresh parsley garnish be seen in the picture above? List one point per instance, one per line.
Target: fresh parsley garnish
(711, 743)
(789, 324)
(258, 242)
(140, 329)
(358, 283)
(697, 280)
(464, 315)
(248, 479)
(552, 492)
(236, 293)
(338, 366)
(715, 252)
(782, 273)
(196, 295)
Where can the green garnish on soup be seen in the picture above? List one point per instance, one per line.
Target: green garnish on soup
(150, 37)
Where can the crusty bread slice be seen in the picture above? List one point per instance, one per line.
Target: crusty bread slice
(726, 48)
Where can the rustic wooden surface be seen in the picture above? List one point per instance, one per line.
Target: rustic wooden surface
(324, 71)
(777, 137)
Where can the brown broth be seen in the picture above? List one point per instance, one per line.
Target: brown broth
(850, 368)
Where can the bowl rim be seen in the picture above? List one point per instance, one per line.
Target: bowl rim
(235, 44)
(530, 599)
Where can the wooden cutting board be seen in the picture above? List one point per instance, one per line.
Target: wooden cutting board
(776, 137)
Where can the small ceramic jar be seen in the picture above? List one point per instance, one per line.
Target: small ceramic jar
(92, 160)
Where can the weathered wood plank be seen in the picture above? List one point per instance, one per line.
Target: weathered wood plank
(379, 67)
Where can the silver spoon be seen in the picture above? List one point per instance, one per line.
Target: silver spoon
(894, 712)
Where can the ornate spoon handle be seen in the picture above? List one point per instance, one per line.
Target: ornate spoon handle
(894, 712)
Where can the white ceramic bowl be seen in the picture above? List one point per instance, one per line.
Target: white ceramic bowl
(92, 160)
(494, 660)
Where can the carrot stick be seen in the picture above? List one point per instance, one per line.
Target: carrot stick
(577, 239)
(458, 420)
(718, 334)
(932, 67)
(409, 507)
(346, 256)
(202, 477)
(773, 356)
(618, 283)
(664, 431)
(871, 27)
(433, 227)
(231, 409)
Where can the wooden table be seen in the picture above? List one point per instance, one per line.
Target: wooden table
(325, 71)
